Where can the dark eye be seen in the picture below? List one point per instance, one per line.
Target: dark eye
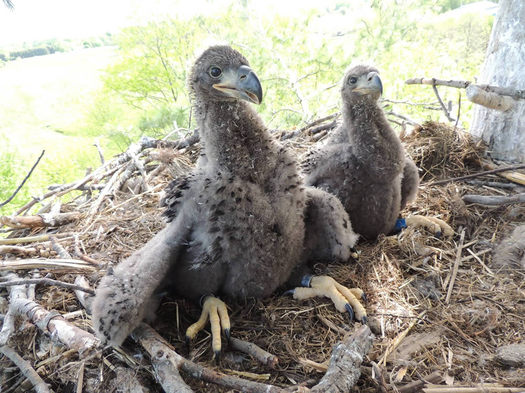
(352, 80)
(215, 72)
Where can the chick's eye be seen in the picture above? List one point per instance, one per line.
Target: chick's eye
(352, 80)
(215, 72)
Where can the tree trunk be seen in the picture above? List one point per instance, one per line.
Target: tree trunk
(504, 66)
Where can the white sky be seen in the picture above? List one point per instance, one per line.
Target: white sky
(44, 19)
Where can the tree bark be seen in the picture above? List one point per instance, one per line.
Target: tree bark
(504, 63)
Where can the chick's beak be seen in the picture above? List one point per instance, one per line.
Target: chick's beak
(371, 85)
(375, 82)
(241, 83)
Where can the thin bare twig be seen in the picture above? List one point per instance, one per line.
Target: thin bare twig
(47, 281)
(25, 368)
(456, 266)
(492, 171)
(447, 114)
(23, 181)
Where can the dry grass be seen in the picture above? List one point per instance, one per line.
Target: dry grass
(406, 278)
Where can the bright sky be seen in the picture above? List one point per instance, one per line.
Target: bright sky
(44, 19)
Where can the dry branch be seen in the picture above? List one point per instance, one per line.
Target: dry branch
(257, 352)
(504, 91)
(494, 200)
(23, 181)
(39, 221)
(46, 281)
(490, 100)
(54, 324)
(416, 386)
(17, 250)
(32, 239)
(456, 266)
(345, 364)
(25, 368)
(71, 265)
(472, 176)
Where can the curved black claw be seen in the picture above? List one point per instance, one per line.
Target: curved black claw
(187, 340)
(364, 298)
(289, 292)
(350, 311)
(217, 355)
(227, 333)
(364, 320)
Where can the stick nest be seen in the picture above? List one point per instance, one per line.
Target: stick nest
(405, 277)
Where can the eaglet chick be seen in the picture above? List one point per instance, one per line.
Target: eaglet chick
(363, 162)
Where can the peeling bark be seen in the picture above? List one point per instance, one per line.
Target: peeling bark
(504, 63)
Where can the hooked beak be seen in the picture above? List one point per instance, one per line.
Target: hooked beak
(372, 85)
(241, 83)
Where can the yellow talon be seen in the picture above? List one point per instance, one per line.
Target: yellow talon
(342, 297)
(433, 224)
(216, 311)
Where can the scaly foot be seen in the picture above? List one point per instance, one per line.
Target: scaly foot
(214, 309)
(344, 299)
(435, 225)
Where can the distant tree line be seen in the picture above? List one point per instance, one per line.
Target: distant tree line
(42, 48)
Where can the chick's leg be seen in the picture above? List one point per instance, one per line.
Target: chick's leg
(435, 225)
(215, 310)
(344, 299)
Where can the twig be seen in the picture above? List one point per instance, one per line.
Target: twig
(456, 266)
(436, 92)
(39, 221)
(8, 327)
(82, 294)
(345, 363)
(494, 200)
(472, 176)
(506, 91)
(101, 156)
(53, 323)
(425, 105)
(46, 281)
(459, 112)
(17, 250)
(416, 386)
(32, 239)
(72, 265)
(80, 379)
(165, 360)
(61, 251)
(403, 117)
(258, 353)
(23, 181)
(25, 368)
(497, 184)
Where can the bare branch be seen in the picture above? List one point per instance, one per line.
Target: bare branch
(46, 281)
(25, 368)
(23, 181)
(504, 91)
(494, 200)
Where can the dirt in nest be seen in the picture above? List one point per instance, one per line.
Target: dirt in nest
(424, 317)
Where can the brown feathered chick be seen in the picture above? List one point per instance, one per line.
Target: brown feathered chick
(236, 224)
(363, 162)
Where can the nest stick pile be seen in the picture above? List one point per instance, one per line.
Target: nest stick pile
(441, 312)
